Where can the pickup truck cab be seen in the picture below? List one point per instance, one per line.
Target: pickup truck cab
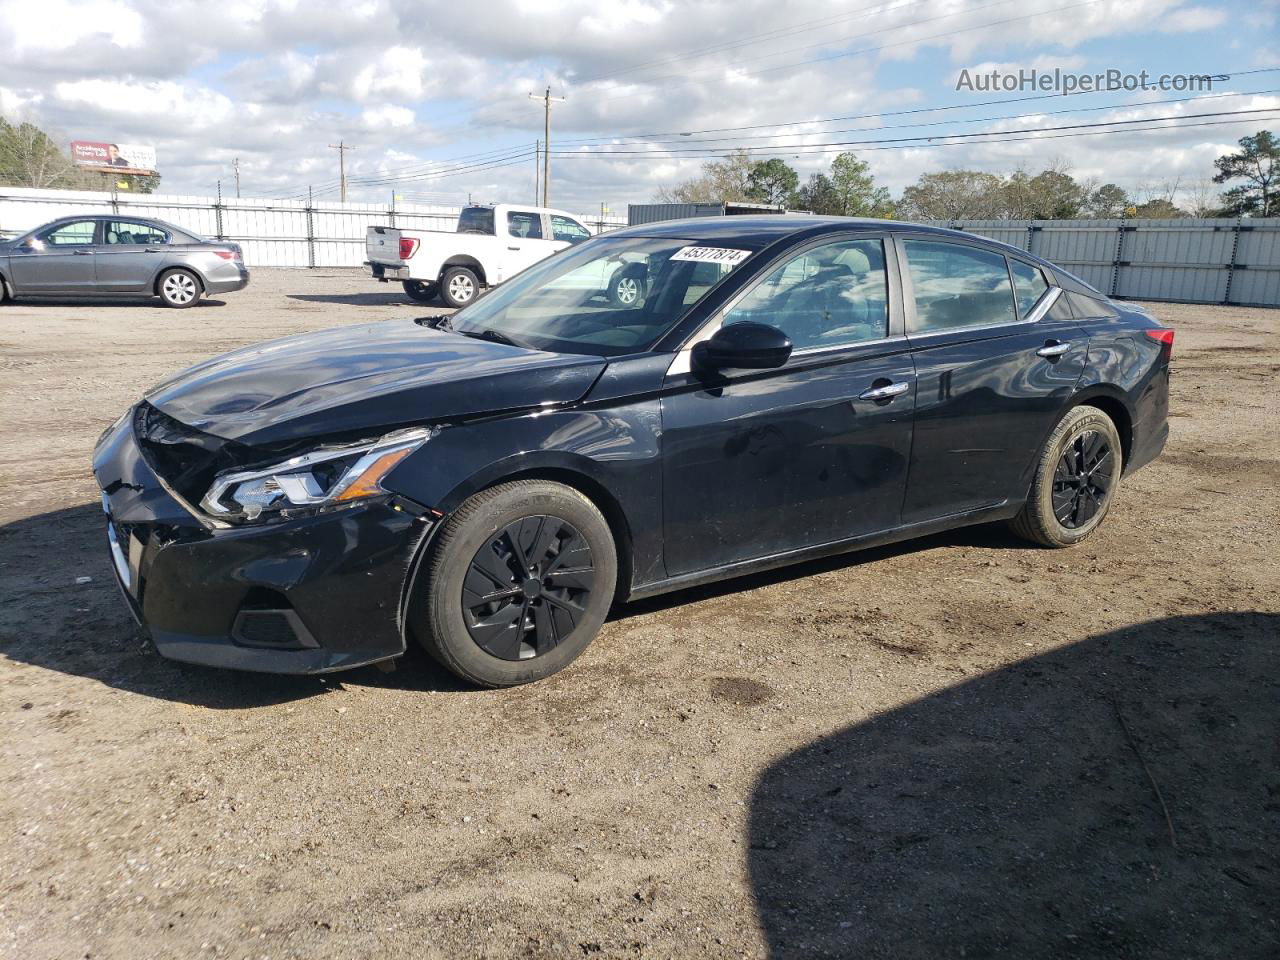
(491, 245)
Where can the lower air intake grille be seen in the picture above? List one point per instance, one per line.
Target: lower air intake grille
(278, 629)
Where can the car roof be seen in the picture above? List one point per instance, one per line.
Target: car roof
(758, 231)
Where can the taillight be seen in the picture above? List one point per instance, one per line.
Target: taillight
(1163, 336)
(227, 254)
(408, 247)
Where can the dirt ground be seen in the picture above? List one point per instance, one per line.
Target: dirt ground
(960, 746)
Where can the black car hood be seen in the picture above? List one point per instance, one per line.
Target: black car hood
(366, 377)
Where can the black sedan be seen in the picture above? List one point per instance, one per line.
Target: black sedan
(489, 485)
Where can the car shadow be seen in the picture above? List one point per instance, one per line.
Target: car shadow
(139, 301)
(391, 298)
(1119, 797)
(995, 536)
(51, 616)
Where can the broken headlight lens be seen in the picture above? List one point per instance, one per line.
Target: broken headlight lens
(328, 477)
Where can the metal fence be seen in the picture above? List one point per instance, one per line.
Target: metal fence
(1225, 261)
(273, 233)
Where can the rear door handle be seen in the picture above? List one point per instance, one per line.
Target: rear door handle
(1053, 348)
(513, 248)
(886, 392)
(83, 253)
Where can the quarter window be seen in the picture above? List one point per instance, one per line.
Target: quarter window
(1029, 285)
(526, 225)
(958, 286)
(1088, 308)
(119, 232)
(78, 234)
(828, 296)
(571, 231)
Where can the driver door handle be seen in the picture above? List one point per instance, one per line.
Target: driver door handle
(886, 392)
(1054, 348)
(83, 253)
(513, 248)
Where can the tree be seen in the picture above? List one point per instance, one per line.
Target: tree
(1203, 200)
(953, 195)
(722, 181)
(1161, 208)
(772, 181)
(1106, 202)
(1256, 165)
(29, 158)
(855, 189)
(819, 196)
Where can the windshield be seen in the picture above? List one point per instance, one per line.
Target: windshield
(605, 297)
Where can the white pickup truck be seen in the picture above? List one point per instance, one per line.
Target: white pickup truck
(492, 244)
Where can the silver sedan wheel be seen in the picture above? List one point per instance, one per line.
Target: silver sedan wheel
(180, 288)
(628, 291)
(461, 288)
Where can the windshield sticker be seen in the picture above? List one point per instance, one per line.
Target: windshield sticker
(712, 255)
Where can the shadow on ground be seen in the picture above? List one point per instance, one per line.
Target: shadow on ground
(387, 297)
(50, 620)
(122, 301)
(1014, 815)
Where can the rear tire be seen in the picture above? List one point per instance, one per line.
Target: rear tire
(5, 297)
(1075, 480)
(179, 288)
(626, 288)
(459, 286)
(420, 290)
(474, 613)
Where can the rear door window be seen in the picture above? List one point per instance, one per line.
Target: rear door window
(958, 286)
(123, 233)
(1029, 285)
(528, 226)
(571, 231)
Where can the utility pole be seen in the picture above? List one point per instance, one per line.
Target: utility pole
(537, 162)
(235, 164)
(546, 99)
(342, 148)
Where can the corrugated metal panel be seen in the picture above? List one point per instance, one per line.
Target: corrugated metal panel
(654, 212)
(1256, 279)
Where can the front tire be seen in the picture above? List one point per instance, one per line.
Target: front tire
(179, 288)
(419, 290)
(459, 286)
(517, 584)
(1075, 480)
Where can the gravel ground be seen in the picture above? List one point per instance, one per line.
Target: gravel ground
(959, 746)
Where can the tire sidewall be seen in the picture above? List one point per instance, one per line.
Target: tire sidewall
(449, 274)
(443, 593)
(614, 296)
(420, 291)
(179, 306)
(1078, 421)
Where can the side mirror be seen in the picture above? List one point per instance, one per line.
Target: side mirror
(743, 346)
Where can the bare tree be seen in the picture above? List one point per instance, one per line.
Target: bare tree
(1203, 199)
(30, 158)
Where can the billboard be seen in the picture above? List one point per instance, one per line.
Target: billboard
(114, 157)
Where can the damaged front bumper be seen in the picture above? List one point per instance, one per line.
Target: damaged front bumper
(307, 595)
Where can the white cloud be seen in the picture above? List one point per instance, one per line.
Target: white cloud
(389, 115)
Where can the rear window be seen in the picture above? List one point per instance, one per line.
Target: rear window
(476, 220)
(1029, 285)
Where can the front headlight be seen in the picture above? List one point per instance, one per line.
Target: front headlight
(328, 477)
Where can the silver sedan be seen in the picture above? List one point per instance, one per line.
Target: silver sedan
(119, 256)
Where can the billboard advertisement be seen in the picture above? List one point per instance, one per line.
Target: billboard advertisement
(114, 157)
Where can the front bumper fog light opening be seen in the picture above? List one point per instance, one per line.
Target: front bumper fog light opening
(276, 629)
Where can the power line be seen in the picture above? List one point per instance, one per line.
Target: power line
(958, 138)
(897, 113)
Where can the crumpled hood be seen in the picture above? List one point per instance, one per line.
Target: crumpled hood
(365, 377)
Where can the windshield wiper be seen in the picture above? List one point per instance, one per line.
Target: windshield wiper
(494, 336)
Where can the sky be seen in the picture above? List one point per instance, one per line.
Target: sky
(434, 96)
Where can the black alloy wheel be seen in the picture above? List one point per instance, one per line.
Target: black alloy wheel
(528, 587)
(1082, 479)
